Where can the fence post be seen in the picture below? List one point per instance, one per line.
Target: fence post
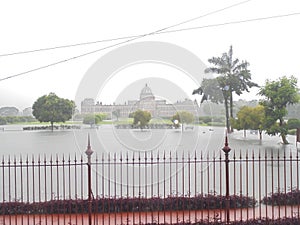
(226, 150)
(89, 152)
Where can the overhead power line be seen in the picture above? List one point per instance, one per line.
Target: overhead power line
(120, 43)
(161, 31)
(126, 37)
(140, 36)
(232, 22)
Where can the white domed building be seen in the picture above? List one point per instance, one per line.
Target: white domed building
(147, 102)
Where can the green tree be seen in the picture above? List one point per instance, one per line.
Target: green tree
(183, 117)
(250, 118)
(93, 119)
(293, 123)
(277, 96)
(116, 113)
(51, 108)
(89, 119)
(234, 78)
(141, 118)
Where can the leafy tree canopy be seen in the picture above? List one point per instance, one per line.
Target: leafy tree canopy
(234, 77)
(93, 119)
(293, 123)
(9, 111)
(141, 118)
(183, 117)
(250, 118)
(116, 113)
(51, 108)
(278, 95)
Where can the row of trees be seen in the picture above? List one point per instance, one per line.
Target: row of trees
(234, 77)
(142, 118)
(16, 119)
(51, 108)
(270, 114)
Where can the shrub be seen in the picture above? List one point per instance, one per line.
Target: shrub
(130, 204)
(281, 198)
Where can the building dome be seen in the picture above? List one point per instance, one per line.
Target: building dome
(146, 93)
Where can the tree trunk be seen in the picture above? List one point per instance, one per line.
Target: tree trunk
(260, 135)
(52, 126)
(284, 140)
(227, 115)
(244, 133)
(231, 109)
(283, 136)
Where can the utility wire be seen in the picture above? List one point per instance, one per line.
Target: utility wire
(117, 44)
(232, 22)
(126, 37)
(140, 36)
(161, 31)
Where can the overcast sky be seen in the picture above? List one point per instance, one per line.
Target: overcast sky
(270, 46)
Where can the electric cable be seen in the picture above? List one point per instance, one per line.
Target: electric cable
(125, 37)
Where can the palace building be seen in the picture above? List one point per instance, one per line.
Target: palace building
(157, 108)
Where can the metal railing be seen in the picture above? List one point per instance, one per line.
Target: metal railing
(150, 188)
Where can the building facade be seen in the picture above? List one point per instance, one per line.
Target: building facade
(147, 102)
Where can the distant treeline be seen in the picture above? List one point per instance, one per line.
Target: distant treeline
(16, 119)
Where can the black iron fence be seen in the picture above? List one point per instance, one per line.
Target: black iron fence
(151, 188)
